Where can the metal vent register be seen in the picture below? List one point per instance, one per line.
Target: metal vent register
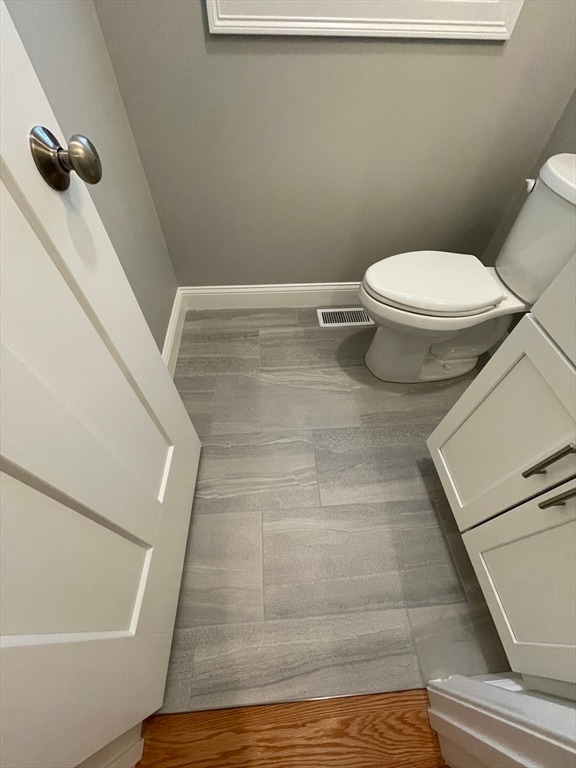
(347, 316)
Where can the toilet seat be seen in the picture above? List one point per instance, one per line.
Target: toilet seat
(436, 283)
(402, 317)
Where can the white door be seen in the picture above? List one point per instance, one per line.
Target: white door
(525, 561)
(99, 462)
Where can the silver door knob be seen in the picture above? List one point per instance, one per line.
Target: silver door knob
(55, 163)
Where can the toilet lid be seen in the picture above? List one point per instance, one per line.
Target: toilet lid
(434, 282)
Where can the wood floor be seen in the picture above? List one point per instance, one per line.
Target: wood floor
(389, 730)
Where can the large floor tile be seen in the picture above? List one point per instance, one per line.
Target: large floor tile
(330, 560)
(222, 579)
(429, 475)
(434, 584)
(420, 547)
(284, 660)
(240, 319)
(285, 400)
(203, 352)
(382, 402)
(456, 639)
(368, 464)
(390, 515)
(177, 692)
(426, 569)
(443, 511)
(182, 651)
(185, 384)
(368, 438)
(179, 678)
(313, 348)
(271, 470)
(465, 569)
(197, 393)
(331, 596)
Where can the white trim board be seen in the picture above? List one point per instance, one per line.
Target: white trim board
(250, 297)
(491, 720)
(123, 752)
(459, 19)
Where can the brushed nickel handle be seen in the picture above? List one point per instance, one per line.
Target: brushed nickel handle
(559, 500)
(541, 466)
(55, 163)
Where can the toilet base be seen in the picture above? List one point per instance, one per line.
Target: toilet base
(419, 356)
(390, 358)
(432, 370)
(397, 356)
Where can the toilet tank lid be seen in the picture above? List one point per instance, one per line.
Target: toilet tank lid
(559, 174)
(439, 282)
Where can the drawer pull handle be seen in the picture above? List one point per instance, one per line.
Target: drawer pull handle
(558, 501)
(540, 468)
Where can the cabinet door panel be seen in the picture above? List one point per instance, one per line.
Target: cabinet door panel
(555, 310)
(525, 561)
(518, 411)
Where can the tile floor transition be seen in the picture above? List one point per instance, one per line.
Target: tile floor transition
(323, 559)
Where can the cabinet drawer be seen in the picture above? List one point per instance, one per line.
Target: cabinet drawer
(525, 561)
(518, 411)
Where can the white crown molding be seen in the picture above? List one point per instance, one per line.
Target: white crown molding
(448, 19)
(249, 297)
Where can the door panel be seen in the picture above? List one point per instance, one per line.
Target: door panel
(85, 592)
(42, 441)
(99, 462)
(525, 561)
(69, 351)
(519, 410)
(67, 679)
(521, 571)
(505, 451)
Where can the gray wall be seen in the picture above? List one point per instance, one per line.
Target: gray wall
(562, 139)
(302, 159)
(64, 41)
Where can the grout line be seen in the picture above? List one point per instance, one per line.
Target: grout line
(415, 646)
(262, 565)
(191, 669)
(213, 410)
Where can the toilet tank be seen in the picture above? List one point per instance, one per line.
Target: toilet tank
(543, 237)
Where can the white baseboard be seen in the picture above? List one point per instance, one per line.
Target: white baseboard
(250, 297)
(174, 333)
(123, 752)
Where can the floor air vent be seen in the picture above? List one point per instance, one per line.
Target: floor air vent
(348, 316)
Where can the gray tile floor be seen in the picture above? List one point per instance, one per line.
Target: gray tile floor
(322, 558)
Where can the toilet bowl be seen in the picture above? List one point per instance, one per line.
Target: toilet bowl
(410, 346)
(437, 311)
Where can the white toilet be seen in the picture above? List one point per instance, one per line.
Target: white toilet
(436, 311)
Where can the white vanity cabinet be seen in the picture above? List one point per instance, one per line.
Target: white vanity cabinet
(512, 434)
(506, 456)
(525, 561)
